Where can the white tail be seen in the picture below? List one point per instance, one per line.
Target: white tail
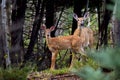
(55, 44)
(85, 33)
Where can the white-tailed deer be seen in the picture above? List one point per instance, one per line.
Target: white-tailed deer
(55, 44)
(85, 33)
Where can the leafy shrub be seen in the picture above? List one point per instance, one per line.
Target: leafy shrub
(108, 58)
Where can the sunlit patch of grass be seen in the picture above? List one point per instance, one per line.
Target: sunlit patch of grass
(92, 63)
(46, 74)
(57, 71)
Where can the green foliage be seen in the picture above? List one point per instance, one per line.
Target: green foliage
(92, 63)
(89, 73)
(79, 64)
(63, 59)
(26, 42)
(66, 21)
(14, 73)
(107, 58)
(58, 71)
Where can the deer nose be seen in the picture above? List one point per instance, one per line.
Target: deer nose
(47, 35)
(82, 24)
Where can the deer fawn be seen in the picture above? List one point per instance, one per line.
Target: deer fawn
(55, 44)
(85, 33)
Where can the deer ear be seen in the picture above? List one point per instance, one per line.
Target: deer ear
(43, 27)
(75, 17)
(86, 15)
(52, 28)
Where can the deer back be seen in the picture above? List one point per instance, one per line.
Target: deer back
(57, 43)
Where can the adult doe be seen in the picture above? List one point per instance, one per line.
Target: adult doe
(85, 33)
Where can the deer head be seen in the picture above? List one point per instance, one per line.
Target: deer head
(80, 20)
(48, 31)
(85, 33)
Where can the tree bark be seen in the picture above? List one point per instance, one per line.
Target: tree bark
(116, 25)
(50, 15)
(4, 49)
(36, 27)
(16, 31)
(103, 27)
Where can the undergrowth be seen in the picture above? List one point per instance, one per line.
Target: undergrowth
(108, 58)
(14, 73)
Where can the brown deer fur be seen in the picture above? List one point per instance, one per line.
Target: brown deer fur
(85, 33)
(55, 44)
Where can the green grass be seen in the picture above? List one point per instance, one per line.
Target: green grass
(57, 71)
(14, 73)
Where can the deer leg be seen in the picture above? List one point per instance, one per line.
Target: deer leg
(82, 51)
(83, 57)
(91, 41)
(73, 58)
(53, 59)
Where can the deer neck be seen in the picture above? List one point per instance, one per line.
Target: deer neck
(48, 39)
(78, 31)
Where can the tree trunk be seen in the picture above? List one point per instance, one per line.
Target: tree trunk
(103, 28)
(2, 60)
(16, 30)
(116, 24)
(4, 50)
(50, 15)
(36, 27)
(116, 34)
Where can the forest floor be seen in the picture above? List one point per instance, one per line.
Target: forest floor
(48, 76)
(65, 77)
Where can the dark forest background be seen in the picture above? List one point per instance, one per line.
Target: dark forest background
(22, 40)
